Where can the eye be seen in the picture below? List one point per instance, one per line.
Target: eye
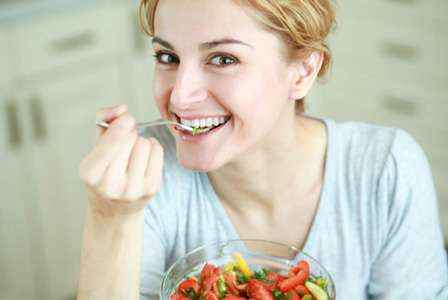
(221, 60)
(166, 58)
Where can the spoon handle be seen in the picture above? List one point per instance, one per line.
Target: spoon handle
(147, 124)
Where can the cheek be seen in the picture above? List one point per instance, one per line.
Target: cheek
(161, 89)
(257, 96)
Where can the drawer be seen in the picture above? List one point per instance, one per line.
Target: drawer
(344, 102)
(421, 98)
(64, 39)
(434, 11)
(415, 48)
(6, 69)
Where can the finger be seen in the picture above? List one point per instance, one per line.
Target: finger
(115, 179)
(98, 160)
(108, 115)
(139, 159)
(154, 168)
(136, 170)
(120, 162)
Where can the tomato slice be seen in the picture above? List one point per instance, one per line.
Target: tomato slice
(207, 270)
(230, 279)
(275, 276)
(302, 290)
(217, 271)
(211, 296)
(209, 282)
(292, 295)
(234, 298)
(242, 287)
(272, 277)
(189, 284)
(303, 265)
(178, 296)
(257, 291)
(291, 282)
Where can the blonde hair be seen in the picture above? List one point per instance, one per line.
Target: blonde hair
(303, 26)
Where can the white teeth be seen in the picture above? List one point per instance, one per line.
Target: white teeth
(209, 122)
(195, 123)
(205, 122)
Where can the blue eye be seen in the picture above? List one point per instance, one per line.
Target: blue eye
(166, 58)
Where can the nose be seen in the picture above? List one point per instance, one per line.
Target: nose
(189, 87)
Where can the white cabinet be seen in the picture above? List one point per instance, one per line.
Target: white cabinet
(15, 245)
(138, 54)
(63, 133)
(390, 68)
(56, 71)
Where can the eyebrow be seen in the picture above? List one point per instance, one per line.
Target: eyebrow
(203, 46)
(162, 42)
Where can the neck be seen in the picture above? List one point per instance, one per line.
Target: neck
(273, 173)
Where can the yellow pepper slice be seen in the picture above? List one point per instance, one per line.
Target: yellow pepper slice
(242, 265)
(229, 267)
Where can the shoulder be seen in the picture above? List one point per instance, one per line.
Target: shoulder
(379, 164)
(374, 145)
(384, 164)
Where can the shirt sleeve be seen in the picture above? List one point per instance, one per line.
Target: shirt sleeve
(412, 261)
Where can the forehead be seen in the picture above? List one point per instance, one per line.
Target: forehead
(206, 20)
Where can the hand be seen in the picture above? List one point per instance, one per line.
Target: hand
(123, 171)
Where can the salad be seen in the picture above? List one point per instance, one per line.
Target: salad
(238, 282)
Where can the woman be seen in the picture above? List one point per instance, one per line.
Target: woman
(357, 197)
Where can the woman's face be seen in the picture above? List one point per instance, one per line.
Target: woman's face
(215, 64)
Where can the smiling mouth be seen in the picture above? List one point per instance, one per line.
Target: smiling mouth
(204, 125)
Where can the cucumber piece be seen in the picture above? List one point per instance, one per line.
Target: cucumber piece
(316, 290)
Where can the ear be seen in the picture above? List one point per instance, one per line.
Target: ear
(304, 75)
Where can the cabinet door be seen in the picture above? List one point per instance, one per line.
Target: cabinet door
(16, 272)
(136, 51)
(62, 116)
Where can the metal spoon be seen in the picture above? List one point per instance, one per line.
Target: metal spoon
(153, 123)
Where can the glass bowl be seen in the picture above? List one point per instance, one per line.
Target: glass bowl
(258, 254)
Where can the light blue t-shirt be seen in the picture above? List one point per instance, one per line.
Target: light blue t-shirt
(377, 228)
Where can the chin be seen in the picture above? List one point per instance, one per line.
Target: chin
(198, 163)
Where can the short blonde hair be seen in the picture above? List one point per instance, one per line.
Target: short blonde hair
(303, 26)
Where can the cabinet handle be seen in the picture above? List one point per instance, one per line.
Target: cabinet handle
(400, 105)
(407, 2)
(73, 42)
(37, 119)
(12, 118)
(401, 51)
